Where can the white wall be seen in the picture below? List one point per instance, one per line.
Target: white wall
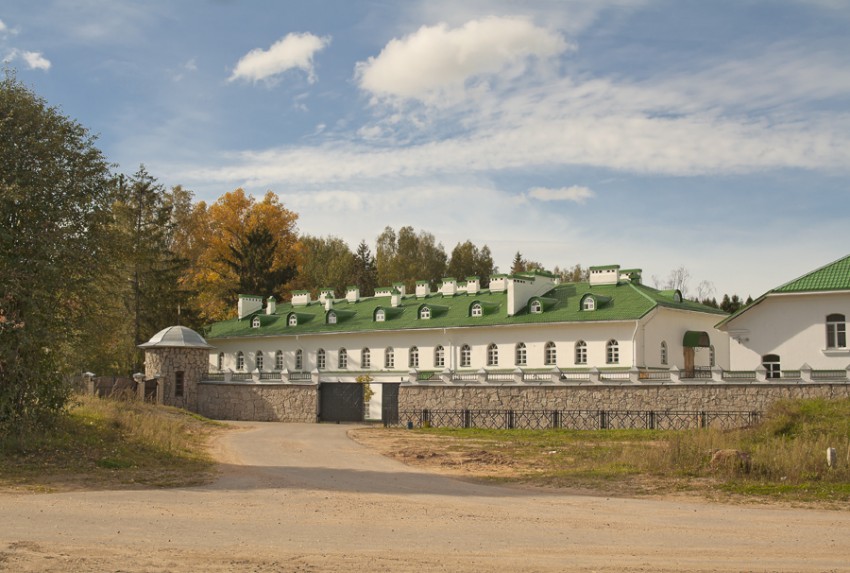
(670, 325)
(792, 326)
(534, 336)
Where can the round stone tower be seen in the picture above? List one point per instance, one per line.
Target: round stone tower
(178, 358)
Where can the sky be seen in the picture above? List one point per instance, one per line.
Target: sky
(653, 134)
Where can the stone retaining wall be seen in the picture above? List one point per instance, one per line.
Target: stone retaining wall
(679, 397)
(266, 402)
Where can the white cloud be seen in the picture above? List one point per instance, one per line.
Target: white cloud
(33, 60)
(293, 51)
(574, 193)
(438, 62)
(36, 61)
(2, 26)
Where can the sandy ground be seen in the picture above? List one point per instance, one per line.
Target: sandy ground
(305, 498)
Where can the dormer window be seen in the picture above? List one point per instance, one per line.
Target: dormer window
(425, 313)
(331, 318)
(293, 320)
(589, 303)
(476, 310)
(255, 323)
(535, 307)
(677, 296)
(380, 316)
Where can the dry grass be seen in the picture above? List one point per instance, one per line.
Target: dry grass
(783, 458)
(112, 443)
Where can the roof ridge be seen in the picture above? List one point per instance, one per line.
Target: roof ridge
(835, 263)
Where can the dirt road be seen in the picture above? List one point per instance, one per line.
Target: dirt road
(306, 498)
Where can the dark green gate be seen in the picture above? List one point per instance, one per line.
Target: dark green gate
(340, 402)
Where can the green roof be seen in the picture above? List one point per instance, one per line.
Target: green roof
(834, 276)
(627, 301)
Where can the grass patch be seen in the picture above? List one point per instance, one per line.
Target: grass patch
(782, 458)
(111, 444)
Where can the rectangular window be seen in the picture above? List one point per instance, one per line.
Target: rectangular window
(178, 383)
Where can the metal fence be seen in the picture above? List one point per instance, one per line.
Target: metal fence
(577, 419)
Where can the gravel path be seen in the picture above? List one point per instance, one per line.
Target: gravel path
(296, 497)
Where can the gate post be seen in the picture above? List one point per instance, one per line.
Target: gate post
(603, 420)
(139, 378)
(556, 419)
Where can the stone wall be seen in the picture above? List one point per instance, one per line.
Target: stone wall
(163, 363)
(678, 397)
(264, 402)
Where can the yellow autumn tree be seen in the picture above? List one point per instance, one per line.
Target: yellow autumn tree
(238, 245)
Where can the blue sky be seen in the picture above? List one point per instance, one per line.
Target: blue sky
(650, 134)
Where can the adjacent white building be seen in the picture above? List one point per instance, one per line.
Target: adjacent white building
(801, 323)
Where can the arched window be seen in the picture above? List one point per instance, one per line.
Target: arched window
(465, 356)
(550, 354)
(240, 360)
(299, 359)
(836, 331)
(492, 354)
(771, 364)
(389, 357)
(581, 352)
(255, 323)
(293, 320)
(331, 317)
(380, 315)
(663, 352)
(612, 352)
(521, 354)
(589, 303)
(535, 307)
(278, 360)
(321, 359)
(439, 357)
(342, 359)
(258, 361)
(413, 357)
(365, 358)
(220, 362)
(425, 313)
(712, 357)
(476, 310)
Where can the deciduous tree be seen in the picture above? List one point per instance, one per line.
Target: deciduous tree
(55, 196)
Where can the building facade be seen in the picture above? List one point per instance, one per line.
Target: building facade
(528, 321)
(801, 323)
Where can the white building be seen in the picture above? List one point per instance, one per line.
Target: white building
(802, 322)
(528, 321)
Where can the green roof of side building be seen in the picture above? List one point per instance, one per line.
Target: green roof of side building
(628, 301)
(834, 276)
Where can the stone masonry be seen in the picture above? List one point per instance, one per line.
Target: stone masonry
(679, 397)
(265, 402)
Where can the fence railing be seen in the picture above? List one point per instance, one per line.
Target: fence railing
(577, 419)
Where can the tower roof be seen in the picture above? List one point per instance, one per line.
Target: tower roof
(176, 337)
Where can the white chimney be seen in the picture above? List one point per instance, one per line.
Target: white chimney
(352, 294)
(248, 304)
(473, 285)
(395, 298)
(607, 275)
(271, 305)
(423, 289)
(449, 287)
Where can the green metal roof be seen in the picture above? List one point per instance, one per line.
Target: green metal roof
(834, 276)
(627, 301)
